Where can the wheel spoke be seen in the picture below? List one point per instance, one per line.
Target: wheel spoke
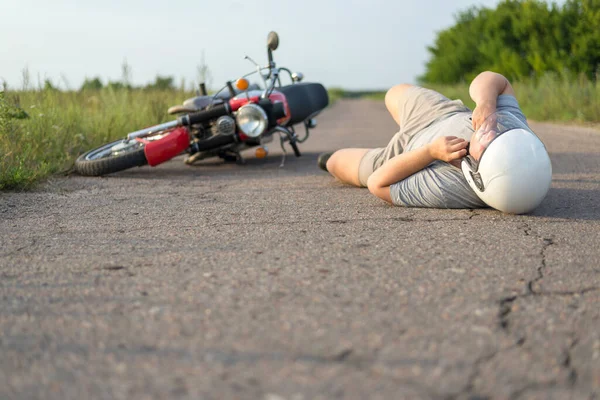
(113, 149)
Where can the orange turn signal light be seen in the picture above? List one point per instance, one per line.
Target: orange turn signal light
(261, 152)
(242, 84)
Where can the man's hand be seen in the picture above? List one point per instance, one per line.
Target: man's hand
(448, 148)
(481, 112)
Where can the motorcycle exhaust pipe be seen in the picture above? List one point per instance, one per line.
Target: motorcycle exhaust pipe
(214, 142)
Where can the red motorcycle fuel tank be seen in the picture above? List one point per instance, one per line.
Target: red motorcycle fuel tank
(161, 150)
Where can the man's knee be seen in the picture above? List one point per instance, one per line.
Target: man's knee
(393, 96)
(332, 162)
(395, 92)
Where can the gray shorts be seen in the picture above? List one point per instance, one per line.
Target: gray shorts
(418, 108)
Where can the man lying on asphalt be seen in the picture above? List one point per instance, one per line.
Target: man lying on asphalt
(421, 165)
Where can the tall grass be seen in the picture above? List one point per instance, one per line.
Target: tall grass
(62, 125)
(552, 98)
(548, 98)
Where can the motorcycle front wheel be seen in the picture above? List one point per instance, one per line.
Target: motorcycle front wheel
(111, 157)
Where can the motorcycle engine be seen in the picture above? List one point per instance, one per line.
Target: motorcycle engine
(225, 125)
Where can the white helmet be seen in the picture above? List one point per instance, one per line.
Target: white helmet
(514, 172)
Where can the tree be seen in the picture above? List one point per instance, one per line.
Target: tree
(453, 56)
(116, 85)
(162, 83)
(584, 17)
(92, 84)
(519, 39)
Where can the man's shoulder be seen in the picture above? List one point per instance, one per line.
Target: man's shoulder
(456, 124)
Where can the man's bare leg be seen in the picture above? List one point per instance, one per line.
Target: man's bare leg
(343, 164)
(392, 100)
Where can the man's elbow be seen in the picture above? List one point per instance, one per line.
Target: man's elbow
(490, 79)
(372, 184)
(383, 192)
(487, 75)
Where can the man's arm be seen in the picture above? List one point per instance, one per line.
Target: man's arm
(446, 148)
(484, 91)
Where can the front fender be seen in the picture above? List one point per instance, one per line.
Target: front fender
(161, 150)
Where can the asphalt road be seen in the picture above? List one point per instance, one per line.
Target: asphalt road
(259, 282)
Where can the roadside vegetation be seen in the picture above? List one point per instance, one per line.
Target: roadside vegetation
(550, 98)
(519, 39)
(551, 54)
(43, 131)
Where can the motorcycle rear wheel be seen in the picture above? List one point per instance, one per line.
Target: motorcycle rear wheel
(111, 158)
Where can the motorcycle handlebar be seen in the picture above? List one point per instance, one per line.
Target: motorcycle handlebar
(205, 115)
(274, 111)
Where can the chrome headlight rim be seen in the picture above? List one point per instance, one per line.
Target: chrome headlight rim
(252, 120)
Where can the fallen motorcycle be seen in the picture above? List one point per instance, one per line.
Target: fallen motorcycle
(222, 125)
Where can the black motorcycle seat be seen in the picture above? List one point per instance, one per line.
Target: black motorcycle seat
(305, 100)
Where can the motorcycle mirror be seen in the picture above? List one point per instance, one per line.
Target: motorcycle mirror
(273, 40)
(297, 76)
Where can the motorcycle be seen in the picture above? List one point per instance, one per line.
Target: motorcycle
(221, 125)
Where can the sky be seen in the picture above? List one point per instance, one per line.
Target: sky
(366, 44)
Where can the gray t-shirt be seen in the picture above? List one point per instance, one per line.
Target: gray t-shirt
(441, 185)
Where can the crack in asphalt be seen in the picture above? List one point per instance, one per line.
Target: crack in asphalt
(567, 293)
(468, 389)
(473, 214)
(505, 308)
(339, 221)
(533, 386)
(568, 362)
(31, 243)
(226, 357)
(63, 230)
(547, 242)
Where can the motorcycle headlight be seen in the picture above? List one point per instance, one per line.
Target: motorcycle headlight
(252, 120)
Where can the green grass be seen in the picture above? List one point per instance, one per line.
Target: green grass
(549, 98)
(335, 94)
(62, 125)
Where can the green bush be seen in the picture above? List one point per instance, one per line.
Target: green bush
(521, 39)
(92, 84)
